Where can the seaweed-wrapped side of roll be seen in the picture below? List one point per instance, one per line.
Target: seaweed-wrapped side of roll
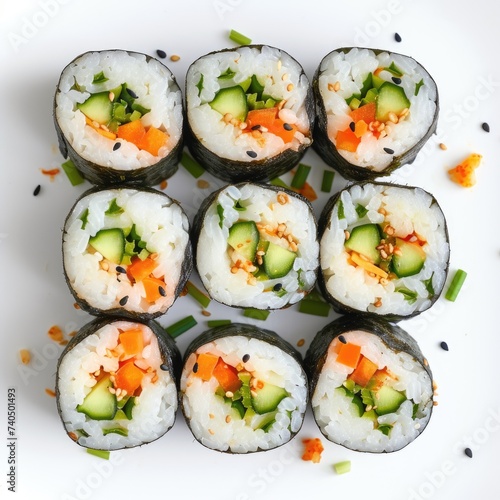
(116, 384)
(243, 389)
(376, 109)
(250, 112)
(384, 250)
(126, 252)
(256, 246)
(119, 118)
(371, 388)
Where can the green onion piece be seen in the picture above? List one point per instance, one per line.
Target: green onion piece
(418, 85)
(340, 212)
(278, 182)
(99, 453)
(456, 285)
(299, 179)
(239, 38)
(72, 173)
(314, 307)
(199, 85)
(429, 287)
(327, 182)
(197, 294)
(84, 217)
(192, 166)
(342, 467)
(212, 323)
(181, 326)
(256, 313)
(409, 295)
(114, 208)
(361, 210)
(115, 430)
(394, 70)
(220, 213)
(99, 78)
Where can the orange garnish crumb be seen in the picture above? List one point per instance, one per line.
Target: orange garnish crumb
(313, 450)
(463, 173)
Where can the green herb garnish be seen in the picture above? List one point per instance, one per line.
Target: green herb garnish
(220, 213)
(429, 287)
(212, 323)
(199, 85)
(115, 430)
(418, 85)
(99, 78)
(340, 211)
(409, 295)
(84, 217)
(114, 208)
(72, 173)
(227, 75)
(361, 210)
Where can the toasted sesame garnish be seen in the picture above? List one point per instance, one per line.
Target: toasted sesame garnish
(347, 234)
(73, 436)
(383, 281)
(211, 432)
(289, 87)
(204, 312)
(175, 58)
(227, 117)
(393, 117)
(300, 342)
(234, 269)
(389, 230)
(279, 64)
(55, 333)
(228, 419)
(202, 184)
(25, 356)
(435, 403)
(211, 415)
(383, 254)
(293, 246)
(282, 198)
(443, 146)
(76, 305)
(285, 76)
(378, 302)
(50, 392)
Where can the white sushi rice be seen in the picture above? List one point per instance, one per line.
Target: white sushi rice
(350, 70)
(282, 78)
(207, 414)
(159, 221)
(407, 210)
(262, 206)
(154, 411)
(150, 80)
(337, 416)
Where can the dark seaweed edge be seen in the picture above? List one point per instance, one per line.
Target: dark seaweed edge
(328, 152)
(122, 312)
(251, 332)
(199, 220)
(102, 175)
(324, 222)
(256, 170)
(170, 354)
(393, 336)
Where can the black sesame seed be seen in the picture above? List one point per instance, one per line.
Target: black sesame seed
(485, 127)
(161, 54)
(164, 367)
(36, 192)
(195, 367)
(352, 126)
(255, 127)
(252, 154)
(287, 126)
(117, 145)
(389, 151)
(396, 80)
(342, 339)
(277, 287)
(123, 300)
(245, 358)
(468, 452)
(444, 346)
(120, 269)
(397, 37)
(132, 94)
(162, 291)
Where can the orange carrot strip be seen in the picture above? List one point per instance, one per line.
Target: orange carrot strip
(347, 140)
(128, 378)
(363, 372)
(152, 288)
(153, 140)
(206, 364)
(349, 354)
(133, 132)
(132, 341)
(227, 376)
(361, 128)
(365, 113)
(140, 269)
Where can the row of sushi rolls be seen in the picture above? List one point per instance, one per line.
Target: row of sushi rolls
(379, 251)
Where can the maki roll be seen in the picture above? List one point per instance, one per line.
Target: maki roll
(119, 118)
(383, 249)
(243, 389)
(250, 112)
(126, 252)
(116, 384)
(370, 387)
(256, 246)
(376, 110)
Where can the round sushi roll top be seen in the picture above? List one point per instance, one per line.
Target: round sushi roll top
(116, 384)
(243, 389)
(371, 388)
(119, 117)
(376, 109)
(383, 249)
(250, 112)
(256, 246)
(126, 252)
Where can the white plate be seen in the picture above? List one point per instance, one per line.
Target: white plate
(457, 43)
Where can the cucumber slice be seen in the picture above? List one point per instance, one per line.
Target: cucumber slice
(358, 404)
(377, 81)
(411, 261)
(97, 107)
(387, 400)
(264, 422)
(391, 98)
(371, 415)
(364, 240)
(99, 404)
(231, 100)
(278, 261)
(244, 238)
(268, 398)
(129, 406)
(110, 243)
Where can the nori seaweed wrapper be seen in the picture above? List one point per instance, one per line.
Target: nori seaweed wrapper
(327, 150)
(251, 332)
(122, 312)
(254, 170)
(103, 175)
(324, 223)
(170, 355)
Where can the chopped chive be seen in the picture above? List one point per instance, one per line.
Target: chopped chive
(456, 285)
(99, 453)
(72, 173)
(300, 177)
(239, 38)
(84, 217)
(327, 182)
(342, 467)
(278, 182)
(192, 166)
(256, 313)
(197, 294)
(213, 323)
(418, 85)
(220, 213)
(314, 307)
(36, 192)
(181, 326)
(361, 210)
(99, 78)
(113, 208)
(199, 85)
(340, 211)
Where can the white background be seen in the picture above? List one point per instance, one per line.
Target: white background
(457, 42)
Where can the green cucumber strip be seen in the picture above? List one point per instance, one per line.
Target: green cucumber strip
(72, 173)
(259, 314)
(300, 177)
(456, 285)
(314, 307)
(342, 467)
(99, 453)
(197, 294)
(327, 182)
(238, 38)
(181, 326)
(192, 166)
(212, 323)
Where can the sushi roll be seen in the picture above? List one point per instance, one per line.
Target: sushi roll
(384, 250)
(119, 118)
(242, 389)
(256, 246)
(250, 112)
(371, 389)
(116, 384)
(126, 252)
(376, 109)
